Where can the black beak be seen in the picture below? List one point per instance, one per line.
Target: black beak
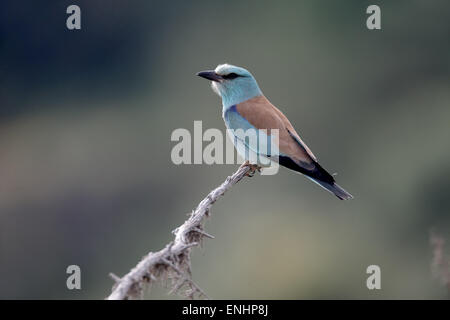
(210, 75)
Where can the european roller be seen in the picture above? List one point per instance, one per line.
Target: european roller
(245, 107)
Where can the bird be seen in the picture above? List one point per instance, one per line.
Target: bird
(244, 106)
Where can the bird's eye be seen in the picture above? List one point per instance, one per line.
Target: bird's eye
(230, 76)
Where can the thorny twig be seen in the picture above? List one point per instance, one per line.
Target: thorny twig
(174, 260)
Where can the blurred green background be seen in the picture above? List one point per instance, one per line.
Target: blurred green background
(86, 118)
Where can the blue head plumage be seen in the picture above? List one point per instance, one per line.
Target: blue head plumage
(233, 84)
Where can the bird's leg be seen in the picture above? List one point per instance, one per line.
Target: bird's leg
(253, 168)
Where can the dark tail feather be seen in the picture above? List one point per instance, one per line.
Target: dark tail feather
(318, 175)
(334, 188)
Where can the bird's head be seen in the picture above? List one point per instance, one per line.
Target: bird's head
(233, 84)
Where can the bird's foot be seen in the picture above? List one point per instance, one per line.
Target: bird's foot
(253, 168)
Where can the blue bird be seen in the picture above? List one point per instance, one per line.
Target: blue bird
(245, 107)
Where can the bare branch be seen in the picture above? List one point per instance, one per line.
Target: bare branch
(440, 264)
(174, 260)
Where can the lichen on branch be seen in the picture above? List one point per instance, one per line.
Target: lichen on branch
(173, 262)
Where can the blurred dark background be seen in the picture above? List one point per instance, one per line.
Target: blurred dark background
(86, 117)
